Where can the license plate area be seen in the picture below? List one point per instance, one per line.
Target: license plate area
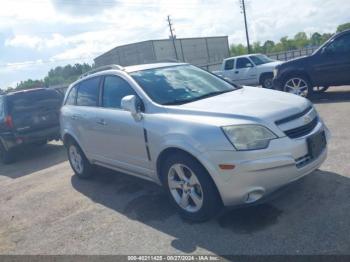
(316, 144)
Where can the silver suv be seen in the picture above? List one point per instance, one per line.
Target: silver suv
(209, 143)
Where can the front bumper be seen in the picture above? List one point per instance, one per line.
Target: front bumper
(258, 173)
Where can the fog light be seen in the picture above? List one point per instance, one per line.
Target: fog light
(254, 195)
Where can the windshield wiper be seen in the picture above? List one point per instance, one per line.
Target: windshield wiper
(180, 102)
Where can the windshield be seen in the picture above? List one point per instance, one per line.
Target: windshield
(180, 84)
(260, 59)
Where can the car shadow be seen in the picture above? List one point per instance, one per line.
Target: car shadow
(308, 217)
(26, 160)
(332, 96)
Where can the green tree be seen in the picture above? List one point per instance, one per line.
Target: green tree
(343, 27)
(239, 49)
(316, 39)
(300, 40)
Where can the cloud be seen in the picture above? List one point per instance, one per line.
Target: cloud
(35, 42)
(83, 7)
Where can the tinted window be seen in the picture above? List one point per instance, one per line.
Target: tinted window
(180, 84)
(29, 101)
(71, 96)
(88, 92)
(115, 88)
(340, 45)
(260, 59)
(229, 65)
(243, 63)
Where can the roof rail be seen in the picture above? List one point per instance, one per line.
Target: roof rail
(102, 68)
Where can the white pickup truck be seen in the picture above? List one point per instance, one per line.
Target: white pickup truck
(253, 69)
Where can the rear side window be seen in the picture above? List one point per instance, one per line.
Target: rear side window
(114, 89)
(37, 100)
(88, 92)
(71, 96)
(229, 65)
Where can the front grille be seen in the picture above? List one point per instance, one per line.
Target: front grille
(302, 130)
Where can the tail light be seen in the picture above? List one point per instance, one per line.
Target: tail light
(9, 121)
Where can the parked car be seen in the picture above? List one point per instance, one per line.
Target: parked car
(254, 70)
(327, 66)
(28, 117)
(208, 142)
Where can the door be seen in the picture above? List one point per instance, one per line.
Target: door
(229, 70)
(331, 65)
(118, 137)
(84, 113)
(246, 72)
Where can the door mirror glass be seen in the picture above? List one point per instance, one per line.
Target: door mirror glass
(132, 104)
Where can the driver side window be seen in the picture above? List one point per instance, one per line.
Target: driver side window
(340, 45)
(114, 89)
(243, 63)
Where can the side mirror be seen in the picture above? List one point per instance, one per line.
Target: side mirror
(132, 104)
(249, 65)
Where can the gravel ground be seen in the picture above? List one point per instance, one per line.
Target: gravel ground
(44, 209)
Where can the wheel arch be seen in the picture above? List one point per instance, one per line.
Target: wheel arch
(261, 77)
(297, 72)
(176, 150)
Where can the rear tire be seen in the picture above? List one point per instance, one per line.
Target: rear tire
(78, 161)
(190, 188)
(6, 157)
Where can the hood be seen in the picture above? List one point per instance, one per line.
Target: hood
(296, 61)
(271, 64)
(248, 103)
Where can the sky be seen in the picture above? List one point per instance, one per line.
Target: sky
(37, 35)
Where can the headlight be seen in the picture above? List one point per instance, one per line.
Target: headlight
(249, 137)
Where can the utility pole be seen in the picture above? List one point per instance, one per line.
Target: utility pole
(246, 25)
(172, 36)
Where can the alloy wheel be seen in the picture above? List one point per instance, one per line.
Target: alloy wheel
(76, 159)
(297, 86)
(185, 188)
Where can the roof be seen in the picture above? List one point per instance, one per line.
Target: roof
(241, 56)
(134, 68)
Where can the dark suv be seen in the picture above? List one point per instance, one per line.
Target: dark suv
(28, 117)
(327, 66)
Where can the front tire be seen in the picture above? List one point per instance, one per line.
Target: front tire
(298, 85)
(78, 161)
(190, 188)
(267, 81)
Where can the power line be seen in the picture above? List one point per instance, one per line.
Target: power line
(172, 36)
(246, 25)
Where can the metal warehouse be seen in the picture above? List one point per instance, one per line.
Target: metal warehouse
(206, 52)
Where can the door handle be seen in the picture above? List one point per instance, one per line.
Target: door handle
(102, 122)
(236, 72)
(74, 117)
